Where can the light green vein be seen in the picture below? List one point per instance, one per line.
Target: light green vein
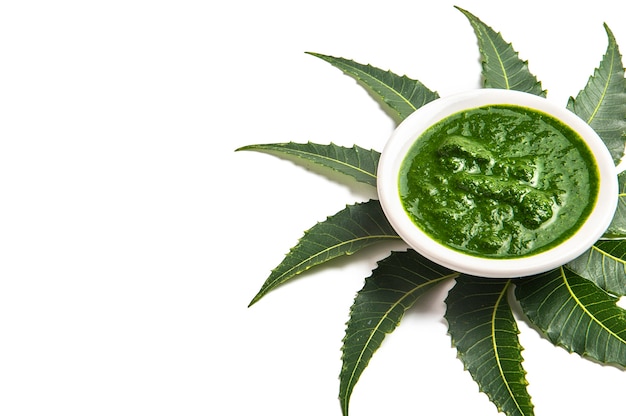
(585, 310)
(381, 320)
(603, 95)
(325, 251)
(504, 74)
(495, 347)
(312, 156)
(605, 254)
(340, 162)
(389, 87)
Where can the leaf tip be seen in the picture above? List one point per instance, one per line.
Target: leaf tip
(243, 148)
(317, 55)
(609, 32)
(256, 299)
(465, 12)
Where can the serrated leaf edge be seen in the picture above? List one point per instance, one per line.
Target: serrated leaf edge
(350, 383)
(362, 76)
(366, 75)
(478, 29)
(503, 293)
(612, 48)
(584, 309)
(264, 290)
(261, 148)
(495, 347)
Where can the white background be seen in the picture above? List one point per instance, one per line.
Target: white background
(132, 236)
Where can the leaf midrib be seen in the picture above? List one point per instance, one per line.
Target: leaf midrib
(495, 348)
(380, 321)
(389, 87)
(382, 236)
(606, 86)
(505, 75)
(585, 310)
(606, 254)
(317, 155)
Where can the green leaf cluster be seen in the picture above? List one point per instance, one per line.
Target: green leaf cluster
(573, 306)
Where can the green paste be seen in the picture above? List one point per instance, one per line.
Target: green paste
(499, 181)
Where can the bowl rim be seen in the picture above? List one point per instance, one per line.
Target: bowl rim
(415, 124)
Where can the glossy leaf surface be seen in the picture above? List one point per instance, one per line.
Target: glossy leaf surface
(605, 265)
(394, 286)
(351, 229)
(602, 103)
(354, 161)
(401, 94)
(576, 314)
(502, 67)
(485, 334)
(617, 228)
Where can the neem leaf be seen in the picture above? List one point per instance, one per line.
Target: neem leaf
(356, 161)
(605, 262)
(394, 286)
(575, 313)
(602, 103)
(401, 94)
(351, 229)
(485, 334)
(617, 228)
(605, 265)
(502, 67)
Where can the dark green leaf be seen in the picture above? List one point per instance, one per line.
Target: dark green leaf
(401, 94)
(602, 103)
(617, 228)
(351, 229)
(378, 308)
(502, 67)
(575, 313)
(605, 265)
(484, 332)
(357, 162)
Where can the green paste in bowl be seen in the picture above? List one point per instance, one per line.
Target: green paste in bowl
(499, 181)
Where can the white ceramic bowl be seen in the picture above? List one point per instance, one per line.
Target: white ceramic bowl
(413, 126)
